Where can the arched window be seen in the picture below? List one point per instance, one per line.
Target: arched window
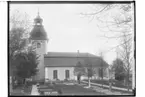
(67, 74)
(38, 45)
(54, 74)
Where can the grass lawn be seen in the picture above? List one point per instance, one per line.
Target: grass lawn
(79, 90)
(115, 83)
(76, 90)
(27, 90)
(114, 90)
(17, 91)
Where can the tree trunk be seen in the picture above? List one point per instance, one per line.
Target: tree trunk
(102, 84)
(110, 86)
(24, 85)
(11, 84)
(80, 80)
(128, 76)
(24, 82)
(133, 79)
(128, 81)
(89, 82)
(102, 78)
(77, 78)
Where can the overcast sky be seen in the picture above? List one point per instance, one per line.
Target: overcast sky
(68, 31)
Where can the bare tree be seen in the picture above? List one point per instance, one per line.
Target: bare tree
(89, 69)
(79, 70)
(118, 24)
(102, 69)
(126, 53)
(20, 19)
(113, 17)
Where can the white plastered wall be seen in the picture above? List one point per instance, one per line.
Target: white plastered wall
(60, 72)
(40, 51)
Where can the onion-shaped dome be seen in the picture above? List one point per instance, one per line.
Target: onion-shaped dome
(38, 19)
(38, 32)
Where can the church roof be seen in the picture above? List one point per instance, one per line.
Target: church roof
(68, 54)
(69, 59)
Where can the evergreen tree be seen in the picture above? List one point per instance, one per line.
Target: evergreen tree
(118, 67)
(26, 64)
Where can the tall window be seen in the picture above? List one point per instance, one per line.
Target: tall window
(66, 74)
(54, 74)
(38, 45)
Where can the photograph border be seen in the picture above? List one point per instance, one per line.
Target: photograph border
(72, 2)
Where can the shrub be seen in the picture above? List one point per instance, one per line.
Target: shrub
(59, 91)
(119, 77)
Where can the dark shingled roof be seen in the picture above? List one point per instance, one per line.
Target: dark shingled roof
(68, 54)
(69, 59)
(38, 33)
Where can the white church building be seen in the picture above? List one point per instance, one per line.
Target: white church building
(56, 65)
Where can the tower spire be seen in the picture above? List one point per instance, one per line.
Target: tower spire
(77, 55)
(38, 11)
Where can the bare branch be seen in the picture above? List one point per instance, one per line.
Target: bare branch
(118, 45)
(112, 37)
(95, 12)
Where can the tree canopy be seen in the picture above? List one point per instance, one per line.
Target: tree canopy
(26, 64)
(17, 43)
(88, 66)
(79, 69)
(118, 68)
(22, 60)
(17, 34)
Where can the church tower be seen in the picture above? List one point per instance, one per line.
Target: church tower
(38, 39)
